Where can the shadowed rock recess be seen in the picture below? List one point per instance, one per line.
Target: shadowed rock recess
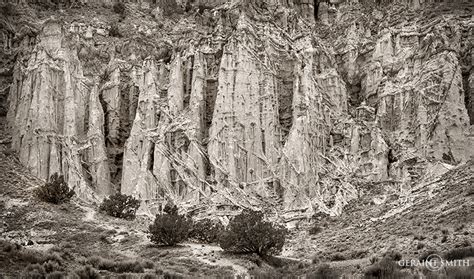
(282, 105)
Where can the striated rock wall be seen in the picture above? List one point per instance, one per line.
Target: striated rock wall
(54, 131)
(284, 115)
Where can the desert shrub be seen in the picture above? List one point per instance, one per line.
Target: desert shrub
(55, 191)
(87, 272)
(315, 230)
(323, 271)
(115, 31)
(373, 260)
(170, 228)
(8, 9)
(358, 254)
(337, 257)
(424, 256)
(50, 270)
(385, 268)
(206, 230)
(393, 255)
(119, 8)
(169, 7)
(459, 253)
(36, 257)
(34, 271)
(8, 247)
(51, 266)
(172, 275)
(20, 254)
(117, 266)
(463, 243)
(265, 273)
(57, 275)
(249, 233)
(460, 272)
(120, 206)
(130, 266)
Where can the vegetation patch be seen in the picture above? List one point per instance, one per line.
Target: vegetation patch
(170, 228)
(206, 231)
(459, 253)
(120, 206)
(249, 233)
(56, 191)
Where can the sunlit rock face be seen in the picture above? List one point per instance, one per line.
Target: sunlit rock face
(255, 113)
(54, 131)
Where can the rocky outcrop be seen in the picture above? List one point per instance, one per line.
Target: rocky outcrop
(285, 115)
(54, 132)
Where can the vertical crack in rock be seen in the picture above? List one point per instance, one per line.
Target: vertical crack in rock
(468, 87)
(187, 79)
(316, 9)
(285, 102)
(151, 157)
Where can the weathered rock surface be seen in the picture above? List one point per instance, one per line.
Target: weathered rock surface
(288, 105)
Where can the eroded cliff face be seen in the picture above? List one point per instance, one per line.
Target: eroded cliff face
(55, 116)
(249, 104)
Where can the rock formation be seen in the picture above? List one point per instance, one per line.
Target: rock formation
(283, 105)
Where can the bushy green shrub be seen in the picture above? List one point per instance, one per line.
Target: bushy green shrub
(206, 231)
(120, 206)
(55, 191)
(249, 233)
(170, 228)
